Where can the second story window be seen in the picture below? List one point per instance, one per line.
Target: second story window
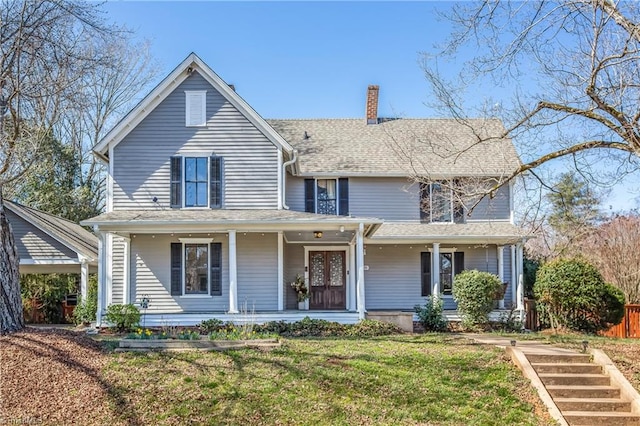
(327, 196)
(196, 182)
(438, 203)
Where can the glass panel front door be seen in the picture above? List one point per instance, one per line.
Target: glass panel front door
(327, 275)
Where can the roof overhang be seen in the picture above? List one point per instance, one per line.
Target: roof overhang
(165, 87)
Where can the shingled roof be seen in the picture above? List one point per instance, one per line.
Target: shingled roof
(436, 147)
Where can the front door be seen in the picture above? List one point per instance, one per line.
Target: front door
(327, 275)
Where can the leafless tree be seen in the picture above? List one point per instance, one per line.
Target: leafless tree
(48, 52)
(573, 67)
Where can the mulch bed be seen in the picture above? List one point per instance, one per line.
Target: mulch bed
(54, 377)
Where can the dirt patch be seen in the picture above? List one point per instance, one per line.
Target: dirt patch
(54, 377)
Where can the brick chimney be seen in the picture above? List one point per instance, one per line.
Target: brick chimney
(372, 104)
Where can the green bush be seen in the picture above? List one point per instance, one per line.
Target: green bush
(475, 291)
(211, 325)
(123, 317)
(308, 327)
(85, 311)
(371, 328)
(572, 294)
(45, 293)
(430, 315)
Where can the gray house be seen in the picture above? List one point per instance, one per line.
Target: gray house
(212, 211)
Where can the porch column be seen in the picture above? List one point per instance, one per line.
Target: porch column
(520, 290)
(514, 275)
(84, 277)
(360, 254)
(501, 272)
(108, 272)
(101, 277)
(435, 271)
(280, 270)
(351, 296)
(126, 280)
(233, 274)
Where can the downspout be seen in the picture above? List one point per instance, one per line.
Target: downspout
(284, 178)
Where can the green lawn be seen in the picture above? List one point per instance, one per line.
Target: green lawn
(425, 379)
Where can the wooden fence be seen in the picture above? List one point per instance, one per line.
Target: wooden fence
(629, 328)
(531, 320)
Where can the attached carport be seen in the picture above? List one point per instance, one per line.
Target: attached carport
(48, 244)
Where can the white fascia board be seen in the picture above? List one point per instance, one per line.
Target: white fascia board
(511, 239)
(181, 228)
(334, 174)
(54, 261)
(166, 86)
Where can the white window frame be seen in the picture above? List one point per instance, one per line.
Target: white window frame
(184, 180)
(451, 206)
(446, 250)
(315, 193)
(203, 105)
(184, 242)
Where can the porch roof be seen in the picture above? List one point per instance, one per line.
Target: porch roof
(482, 232)
(171, 220)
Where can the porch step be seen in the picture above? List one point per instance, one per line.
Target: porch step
(575, 379)
(593, 404)
(558, 358)
(590, 418)
(561, 391)
(568, 368)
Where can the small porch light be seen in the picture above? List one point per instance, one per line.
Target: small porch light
(342, 228)
(317, 234)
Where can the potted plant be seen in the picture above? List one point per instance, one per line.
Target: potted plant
(302, 291)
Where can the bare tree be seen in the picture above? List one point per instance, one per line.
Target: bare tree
(46, 50)
(574, 69)
(614, 247)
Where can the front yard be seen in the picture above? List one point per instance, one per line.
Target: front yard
(58, 377)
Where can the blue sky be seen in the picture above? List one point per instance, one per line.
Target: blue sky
(310, 59)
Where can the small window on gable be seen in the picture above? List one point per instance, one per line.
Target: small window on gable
(196, 182)
(196, 108)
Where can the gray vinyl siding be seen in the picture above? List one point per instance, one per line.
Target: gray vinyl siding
(117, 271)
(151, 275)
(257, 263)
(293, 265)
(497, 208)
(141, 159)
(34, 244)
(294, 193)
(393, 278)
(386, 198)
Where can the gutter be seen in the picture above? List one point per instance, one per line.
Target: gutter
(284, 178)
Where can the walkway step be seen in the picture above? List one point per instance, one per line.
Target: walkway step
(561, 391)
(575, 379)
(568, 368)
(592, 404)
(589, 418)
(562, 358)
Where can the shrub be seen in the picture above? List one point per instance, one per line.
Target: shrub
(44, 293)
(123, 317)
(371, 328)
(572, 294)
(210, 325)
(430, 315)
(85, 311)
(475, 291)
(308, 327)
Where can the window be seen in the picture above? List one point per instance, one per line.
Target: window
(196, 268)
(438, 203)
(196, 108)
(201, 182)
(451, 264)
(327, 196)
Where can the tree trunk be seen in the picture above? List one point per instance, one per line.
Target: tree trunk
(11, 317)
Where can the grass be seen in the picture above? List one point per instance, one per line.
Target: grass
(426, 379)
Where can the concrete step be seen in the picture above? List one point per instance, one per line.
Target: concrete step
(593, 404)
(561, 391)
(568, 368)
(589, 418)
(541, 358)
(575, 379)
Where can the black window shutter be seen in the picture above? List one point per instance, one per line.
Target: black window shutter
(215, 181)
(425, 204)
(310, 195)
(343, 190)
(458, 262)
(425, 258)
(216, 269)
(176, 183)
(176, 269)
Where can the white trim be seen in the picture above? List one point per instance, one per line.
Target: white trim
(110, 170)
(520, 277)
(195, 240)
(280, 270)
(281, 201)
(196, 295)
(101, 278)
(500, 250)
(183, 179)
(351, 295)
(167, 86)
(126, 277)
(347, 266)
(84, 276)
(51, 261)
(109, 270)
(514, 274)
(362, 310)
(315, 195)
(233, 273)
(435, 270)
(185, 319)
(202, 95)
